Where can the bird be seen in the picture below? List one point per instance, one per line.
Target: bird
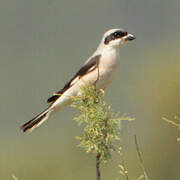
(98, 69)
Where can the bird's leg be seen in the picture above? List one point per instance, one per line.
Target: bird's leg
(102, 91)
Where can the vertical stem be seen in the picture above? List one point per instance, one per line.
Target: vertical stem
(140, 158)
(98, 174)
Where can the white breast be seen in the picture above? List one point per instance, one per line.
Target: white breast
(107, 68)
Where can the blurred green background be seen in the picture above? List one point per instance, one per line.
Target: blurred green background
(44, 42)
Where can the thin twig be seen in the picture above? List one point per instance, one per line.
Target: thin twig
(122, 166)
(98, 174)
(14, 177)
(172, 122)
(140, 158)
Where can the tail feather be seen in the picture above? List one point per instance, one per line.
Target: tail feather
(35, 122)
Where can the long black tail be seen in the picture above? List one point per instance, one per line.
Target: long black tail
(35, 122)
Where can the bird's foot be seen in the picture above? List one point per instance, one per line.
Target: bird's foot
(102, 91)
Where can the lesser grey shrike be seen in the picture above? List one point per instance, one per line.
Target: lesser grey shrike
(99, 70)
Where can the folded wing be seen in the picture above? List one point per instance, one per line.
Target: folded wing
(90, 66)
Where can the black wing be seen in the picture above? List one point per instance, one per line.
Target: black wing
(88, 67)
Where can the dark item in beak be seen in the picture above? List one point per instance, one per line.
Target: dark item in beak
(129, 37)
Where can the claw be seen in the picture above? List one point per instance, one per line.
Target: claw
(102, 91)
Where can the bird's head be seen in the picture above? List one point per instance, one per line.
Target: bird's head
(115, 38)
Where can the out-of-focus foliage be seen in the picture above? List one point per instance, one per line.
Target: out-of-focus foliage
(174, 123)
(124, 170)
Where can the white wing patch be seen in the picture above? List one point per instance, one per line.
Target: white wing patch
(91, 69)
(74, 81)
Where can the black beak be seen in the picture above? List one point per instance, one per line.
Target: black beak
(129, 37)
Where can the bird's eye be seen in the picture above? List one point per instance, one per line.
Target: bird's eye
(115, 34)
